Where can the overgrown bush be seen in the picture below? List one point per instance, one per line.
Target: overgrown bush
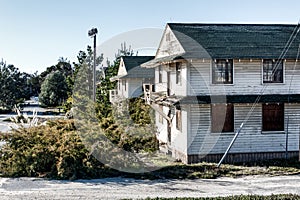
(54, 150)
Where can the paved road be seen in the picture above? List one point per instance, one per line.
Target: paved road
(118, 188)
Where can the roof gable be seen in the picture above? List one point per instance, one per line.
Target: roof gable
(236, 40)
(130, 67)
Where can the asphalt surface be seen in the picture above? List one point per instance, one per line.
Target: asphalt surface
(119, 188)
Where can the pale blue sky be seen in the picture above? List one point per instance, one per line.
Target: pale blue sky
(35, 33)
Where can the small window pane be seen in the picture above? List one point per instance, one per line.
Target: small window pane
(272, 71)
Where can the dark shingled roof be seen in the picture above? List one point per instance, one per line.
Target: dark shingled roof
(134, 69)
(260, 41)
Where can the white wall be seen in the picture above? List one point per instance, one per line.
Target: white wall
(251, 139)
(247, 79)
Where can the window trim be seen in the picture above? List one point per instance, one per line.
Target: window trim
(262, 119)
(283, 73)
(213, 82)
(212, 129)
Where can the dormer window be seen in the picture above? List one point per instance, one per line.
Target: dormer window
(222, 71)
(272, 71)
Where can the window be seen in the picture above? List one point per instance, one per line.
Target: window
(159, 74)
(119, 84)
(222, 71)
(272, 71)
(178, 120)
(178, 73)
(160, 117)
(222, 118)
(273, 117)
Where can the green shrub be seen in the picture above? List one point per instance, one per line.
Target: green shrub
(54, 150)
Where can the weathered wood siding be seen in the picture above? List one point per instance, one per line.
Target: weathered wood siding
(169, 44)
(247, 79)
(251, 139)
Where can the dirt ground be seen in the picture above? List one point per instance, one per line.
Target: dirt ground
(118, 188)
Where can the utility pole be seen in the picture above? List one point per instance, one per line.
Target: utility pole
(92, 33)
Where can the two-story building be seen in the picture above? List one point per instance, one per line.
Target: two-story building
(131, 77)
(212, 80)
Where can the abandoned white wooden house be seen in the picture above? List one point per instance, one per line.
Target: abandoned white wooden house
(211, 78)
(131, 77)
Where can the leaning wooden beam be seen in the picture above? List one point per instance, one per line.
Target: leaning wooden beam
(230, 145)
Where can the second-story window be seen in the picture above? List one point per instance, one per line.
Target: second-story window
(178, 73)
(222, 71)
(159, 74)
(272, 71)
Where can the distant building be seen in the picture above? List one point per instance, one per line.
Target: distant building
(131, 77)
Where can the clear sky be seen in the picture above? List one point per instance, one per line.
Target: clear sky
(35, 33)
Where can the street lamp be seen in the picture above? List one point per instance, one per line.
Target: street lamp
(92, 33)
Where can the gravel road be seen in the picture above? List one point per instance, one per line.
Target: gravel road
(118, 188)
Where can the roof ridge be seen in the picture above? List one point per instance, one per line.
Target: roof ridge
(228, 24)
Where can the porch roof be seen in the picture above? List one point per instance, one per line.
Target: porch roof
(205, 99)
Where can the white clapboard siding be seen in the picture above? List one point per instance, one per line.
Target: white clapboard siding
(250, 140)
(247, 79)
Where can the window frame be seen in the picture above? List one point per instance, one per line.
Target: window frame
(274, 61)
(229, 71)
(215, 123)
(280, 123)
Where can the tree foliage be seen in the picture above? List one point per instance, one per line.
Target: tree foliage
(54, 90)
(53, 150)
(14, 86)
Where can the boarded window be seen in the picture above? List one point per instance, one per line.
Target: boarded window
(222, 71)
(178, 120)
(272, 71)
(159, 74)
(222, 118)
(178, 73)
(273, 117)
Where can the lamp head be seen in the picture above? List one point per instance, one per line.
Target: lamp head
(92, 32)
